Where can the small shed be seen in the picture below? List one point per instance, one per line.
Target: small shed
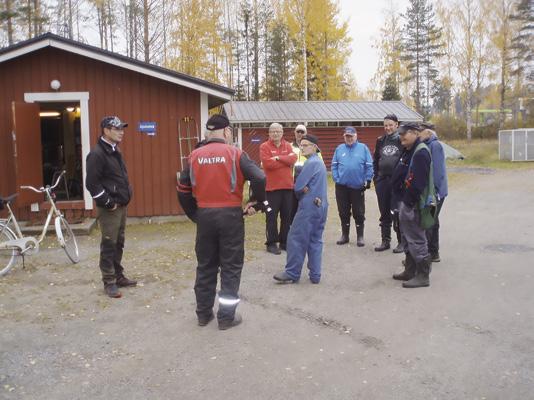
(55, 92)
(326, 119)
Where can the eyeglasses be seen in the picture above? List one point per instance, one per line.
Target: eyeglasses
(306, 145)
(300, 131)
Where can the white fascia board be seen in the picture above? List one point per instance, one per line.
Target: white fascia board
(24, 50)
(55, 96)
(137, 68)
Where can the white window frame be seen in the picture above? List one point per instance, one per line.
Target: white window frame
(83, 99)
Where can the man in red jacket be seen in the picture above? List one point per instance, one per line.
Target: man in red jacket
(277, 159)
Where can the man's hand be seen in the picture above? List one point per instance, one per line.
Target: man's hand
(305, 190)
(249, 208)
(275, 158)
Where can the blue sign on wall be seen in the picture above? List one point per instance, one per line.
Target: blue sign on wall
(148, 127)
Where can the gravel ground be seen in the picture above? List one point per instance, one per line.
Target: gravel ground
(356, 335)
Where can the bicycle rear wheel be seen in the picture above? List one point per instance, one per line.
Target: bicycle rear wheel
(66, 239)
(7, 256)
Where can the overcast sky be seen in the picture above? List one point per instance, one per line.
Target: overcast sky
(365, 19)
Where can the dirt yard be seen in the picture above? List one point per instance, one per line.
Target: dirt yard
(357, 335)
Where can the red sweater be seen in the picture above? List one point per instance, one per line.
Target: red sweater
(278, 173)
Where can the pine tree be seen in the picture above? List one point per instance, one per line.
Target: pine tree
(421, 49)
(391, 90)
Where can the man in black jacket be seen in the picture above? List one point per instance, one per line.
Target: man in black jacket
(107, 181)
(388, 151)
(414, 169)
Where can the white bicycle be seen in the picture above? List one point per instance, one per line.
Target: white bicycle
(14, 244)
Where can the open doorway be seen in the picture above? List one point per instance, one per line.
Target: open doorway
(62, 148)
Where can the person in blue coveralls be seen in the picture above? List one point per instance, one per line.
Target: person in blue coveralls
(352, 171)
(306, 233)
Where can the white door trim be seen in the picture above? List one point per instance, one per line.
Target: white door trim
(83, 98)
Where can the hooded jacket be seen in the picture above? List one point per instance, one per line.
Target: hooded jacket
(440, 168)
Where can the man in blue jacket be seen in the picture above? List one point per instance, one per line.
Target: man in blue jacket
(306, 233)
(429, 136)
(352, 171)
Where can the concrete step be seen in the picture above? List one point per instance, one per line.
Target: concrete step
(81, 229)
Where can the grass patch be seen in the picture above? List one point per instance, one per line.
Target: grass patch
(483, 153)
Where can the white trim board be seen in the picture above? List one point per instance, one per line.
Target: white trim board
(83, 99)
(113, 61)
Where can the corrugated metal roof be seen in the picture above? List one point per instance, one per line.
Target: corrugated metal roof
(316, 111)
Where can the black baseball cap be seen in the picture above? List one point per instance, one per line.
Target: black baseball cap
(312, 138)
(216, 122)
(409, 126)
(112, 121)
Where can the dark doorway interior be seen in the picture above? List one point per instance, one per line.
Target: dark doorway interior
(62, 148)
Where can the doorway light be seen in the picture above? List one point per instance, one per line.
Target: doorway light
(69, 109)
(49, 114)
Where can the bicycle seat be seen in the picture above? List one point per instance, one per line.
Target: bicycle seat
(8, 199)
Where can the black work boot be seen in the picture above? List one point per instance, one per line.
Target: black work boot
(435, 257)
(409, 269)
(359, 236)
(122, 281)
(345, 229)
(422, 272)
(112, 290)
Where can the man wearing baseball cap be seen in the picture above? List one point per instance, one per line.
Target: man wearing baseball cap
(211, 194)
(412, 175)
(306, 233)
(107, 181)
(352, 171)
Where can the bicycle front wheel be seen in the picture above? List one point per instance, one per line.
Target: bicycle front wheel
(66, 239)
(7, 255)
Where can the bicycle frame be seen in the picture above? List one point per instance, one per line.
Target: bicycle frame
(12, 220)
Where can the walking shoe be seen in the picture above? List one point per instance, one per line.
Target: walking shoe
(273, 249)
(383, 246)
(205, 320)
(122, 281)
(283, 246)
(224, 325)
(398, 249)
(283, 277)
(315, 281)
(435, 257)
(112, 290)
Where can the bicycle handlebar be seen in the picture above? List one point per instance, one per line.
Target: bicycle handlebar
(44, 189)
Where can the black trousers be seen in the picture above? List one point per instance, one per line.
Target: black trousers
(383, 195)
(219, 247)
(348, 200)
(112, 225)
(432, 234)
(294, 207)
(281, 202)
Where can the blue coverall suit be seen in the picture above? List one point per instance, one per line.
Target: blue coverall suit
(306, 232)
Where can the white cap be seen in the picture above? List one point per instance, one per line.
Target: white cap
(301, 128)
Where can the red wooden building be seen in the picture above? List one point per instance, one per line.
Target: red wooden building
(326, 119)
(55, 92)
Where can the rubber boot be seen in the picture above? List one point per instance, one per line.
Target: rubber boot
(359, 236)
(409, 269)
(384, 245)
(345, 229)
(399, 248)
(422, 273)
